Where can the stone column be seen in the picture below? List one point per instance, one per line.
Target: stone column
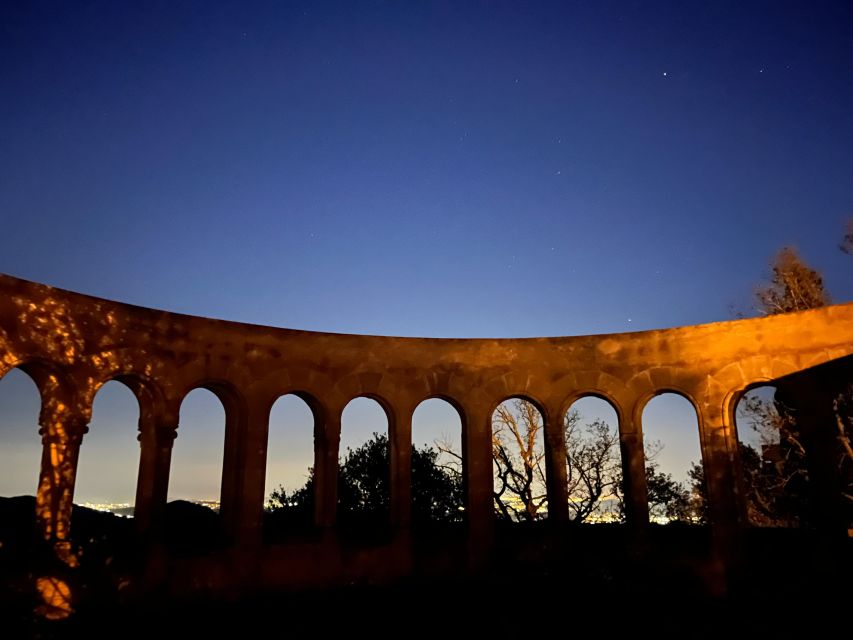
(719, 462)
(327, 439)
(719, 448)
(400, 436)
(61, 434)
(156, 438)
(251, 468)
(232, 466)
(811, 396)
(633, 473)
(555, 467)
(478, 480)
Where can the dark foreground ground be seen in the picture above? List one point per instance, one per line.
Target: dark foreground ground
(591, 581)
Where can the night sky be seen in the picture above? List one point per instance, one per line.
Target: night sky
(424, 169)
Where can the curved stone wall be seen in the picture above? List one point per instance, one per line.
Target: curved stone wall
(72, 344)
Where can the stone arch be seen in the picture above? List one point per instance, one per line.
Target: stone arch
(698, 438)
(376, 386)
(517, 500)
(527, 397)
(449, 399)
(444, 383)
(365, 508)
(147, 391)
(56, 388)
(21, 448)
(568, 386)
(757, 457)
(737, 377)
(643, 401)
(593, 503)
(226, 391)
(310, 398)
(386, 405)
(424, 509)
(229, 401)
(523, 383)
(604, 396)
(291, 519)
(458, 407)
(62, 419)
(108, 461)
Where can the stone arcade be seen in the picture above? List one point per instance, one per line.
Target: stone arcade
(72, 344)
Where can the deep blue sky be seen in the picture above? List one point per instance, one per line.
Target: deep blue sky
(436, 169)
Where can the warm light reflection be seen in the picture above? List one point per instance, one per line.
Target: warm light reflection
(71, 350)
(50, 327)
(56, 598)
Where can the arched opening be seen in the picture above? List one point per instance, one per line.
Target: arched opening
(108, 462)
(593, 461)
(674, 473)
(437, 495)
(195, 475)
(20, 443)
(289, 484)
(518, 462)
(772, 460)
(364, 471)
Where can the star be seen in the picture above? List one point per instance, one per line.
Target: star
(664, 74)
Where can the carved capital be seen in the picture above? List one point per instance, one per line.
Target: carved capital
(165, 435)
(162, 434)
(67, 431)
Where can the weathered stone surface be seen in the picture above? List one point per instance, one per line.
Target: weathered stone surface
(72, 344)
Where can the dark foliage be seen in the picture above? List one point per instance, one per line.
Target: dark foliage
(364, 490)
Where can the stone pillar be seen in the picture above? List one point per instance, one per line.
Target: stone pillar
(555, 467)
(231, 480)
(327, 439)
(400, 436)
(719, 448)
(61, 437)
(719, 462)
(400, 439)
(811, 396)
(479, 484)
(156, 438)
(251, 468)
(635, 497)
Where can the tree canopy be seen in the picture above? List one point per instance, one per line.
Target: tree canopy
(775, 476)
(364, 496)
(794, 286)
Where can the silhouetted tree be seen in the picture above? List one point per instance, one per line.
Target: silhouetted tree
(775, 479)
(593, 468)
(519, 488)
(592, 464)
(698, 492)
(794, 286)
(668, 499)
(364, 489)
